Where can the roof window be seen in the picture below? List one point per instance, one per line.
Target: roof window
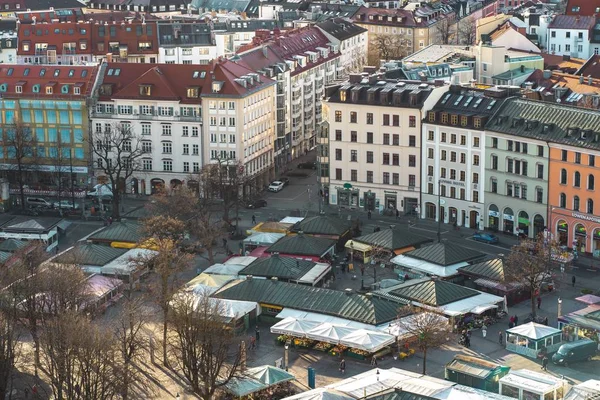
(71, 73)
(84, 73)
(56, 72)
(117, 71)
(10, 71)
(26, 72)
(42, 71)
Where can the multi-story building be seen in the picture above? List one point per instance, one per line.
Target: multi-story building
(516, 167)
(188, 115)
(8, 41)
(452, 156)
(498, 65)
(186, 42)
(574, 205)
(352, 41)
(571, 35)
(302, 61)
(372, 154)
(156, 7)
(9, 8)
(51, 102)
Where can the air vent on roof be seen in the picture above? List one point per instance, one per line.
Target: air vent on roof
(241, 82)
(423, 86)
(401, 84)
(547, 128)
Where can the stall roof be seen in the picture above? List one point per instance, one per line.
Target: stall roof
(532, 381)
(274, 227)
(210, 280)
(316, 274)
(291, 220)
(587, 298)
(241, 260)
(12, 245)
(490, 269)
(320, 394)
(99, 285)
(472, 366)
(589, 389)
(460, 392)
(322, 318)
(426, 267)
(280, 267)
(445, 254)
(588, 317)
(353, 306)
(262, 238)
(303, 245)
(22, 224)
(256, 379)
(89, 254)
(433, 292)
(533, 330)
(368, 340)
(125, 263)
(362, 247)
(122, 231)
(393, 239)
(294, 327)
(224, 269)
(322, 225)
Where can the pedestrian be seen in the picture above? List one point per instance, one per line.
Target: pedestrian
(369, 214)
(573, 280)
(374, 361)
(539, 302)
(512, 320)
(252, 342)
(516, 320)
(343, 366)
(26, 393)
(397, 214)
(253, 219)
(546, 321)
(484, 330)
(467, 341)
(500, 338)
(511, 324)
(545, 363)
(257, 333)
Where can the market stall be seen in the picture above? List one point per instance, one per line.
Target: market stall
(224, 269)
(208, 283)
(532, 385)
(270, 227)
(533, 340)
(360, 251)
(260, 239)
(584, 323)
(258, 379)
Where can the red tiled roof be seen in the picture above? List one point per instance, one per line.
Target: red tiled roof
(128, 34)
(71, 15)
(582, 7)
(171, 81)
(34, 82)
(55, 34)
(553, 62)
(591, 67)
(572, 22)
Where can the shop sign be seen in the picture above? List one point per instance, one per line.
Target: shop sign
(509, 217)
(563, 227)
(51, 168)
(390, 191)
(586, 217)
(524, 221)
(494, 213)
(454, 183)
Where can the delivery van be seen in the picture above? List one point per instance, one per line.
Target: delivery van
(100, 190)
(572, 352)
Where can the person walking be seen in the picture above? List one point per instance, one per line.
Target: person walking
(257, 333)
(516, 320)
(253, 219)
(484, 330)
(573, 280)
(546, 321)
(539, 302)
(374, 361)
(545, 363)
(397, 214)
(224, 243)
(500, 336)
(343, 366)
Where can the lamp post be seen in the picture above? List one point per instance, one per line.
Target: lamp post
(440, 216)
(559, 307)
(285, 355)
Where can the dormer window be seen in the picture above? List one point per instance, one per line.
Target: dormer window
(454, 119)
(76, 90)
(193, 92)
(431, 116)
(19, 89)
(477, 122)
(464, 120)
(146, 90)
(105, 90)
(217, 86)
(343, 95)
(48, 89)
(444, 118)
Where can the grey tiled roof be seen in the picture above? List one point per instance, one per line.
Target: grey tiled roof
(340, 28)
(355, 307)
(302, 245)
(393, 239)
(489, 269)
(280, 267)
(123, 231)
(322, 225)
(434, 292)
(89, 254)
(546, 121)
(12, 245)
(445, 254)
(28, 224)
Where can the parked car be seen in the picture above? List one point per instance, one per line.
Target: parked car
(66, 205)
(38, 202)
(580, 350)
(485, 237)
(100, 190)
(257, 203)
(276, 186)
(285, 180)
(308, 165)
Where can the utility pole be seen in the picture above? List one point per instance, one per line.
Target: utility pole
(440, 216)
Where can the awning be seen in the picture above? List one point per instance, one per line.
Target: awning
(403, 250)
(362, 247)
(426, 267)
(481, 309)
(294, 327)
(315, 274)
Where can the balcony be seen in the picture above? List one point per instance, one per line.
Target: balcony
(149, 117)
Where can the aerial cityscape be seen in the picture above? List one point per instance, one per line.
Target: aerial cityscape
(299, 200)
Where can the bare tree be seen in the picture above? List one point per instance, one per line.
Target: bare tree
(117, 153)
(204, 229)
(429, 328)
(445, 31)
(388, 47)
(467, 31)
(180, 203)
(528, 263)
(20, 143)
(9, 342)
(207, 353)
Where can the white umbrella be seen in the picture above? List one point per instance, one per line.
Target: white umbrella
(327, 332)
(370, 341)
(293, 327)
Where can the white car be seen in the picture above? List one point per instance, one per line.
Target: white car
(275, 186)
(66, 205)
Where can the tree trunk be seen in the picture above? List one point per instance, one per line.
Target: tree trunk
(211, 256)
(533, 305)
(164, 341)
(424, 359)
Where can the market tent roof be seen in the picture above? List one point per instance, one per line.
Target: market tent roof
(100, 285)
(213, 281)
(370, 341)
(490, 269)
(589, 299)
(426, 267)
(273, 227)
(280, 267)
(122, 231)
(256, 379)
(291, 220)
(322, 318)
(461, 392)
(362, 247)
(224, 269)
(329, 332)
(336, 303)
(472, 366)
(316, 274)
(445, 254)
(240, 260)
(303, 245)
(320, 394)
(125, 263)
(322, 225)
(588, 317)
(533, 381)
(263, 238)
(433, 292)
(393, 239)
(89, 254)
(589, 389)
(294, 327)
(533, 330)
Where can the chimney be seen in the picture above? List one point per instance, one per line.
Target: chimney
(529, 85)
(547, 74)
(372, 79)
(348, 292)
(590, 80)
(581, 79)
(274, 279)
(248, 277)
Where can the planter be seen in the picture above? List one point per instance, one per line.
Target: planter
(355, 356)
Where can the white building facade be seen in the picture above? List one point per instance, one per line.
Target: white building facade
(570, 35)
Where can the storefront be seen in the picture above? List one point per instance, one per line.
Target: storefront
(562, 229)
(538, 225)
(596, 243)
(369, 202)
(493, 218)
(390, 200)
(523, 223)
(508, 219)
(579, 241)
(347, 196)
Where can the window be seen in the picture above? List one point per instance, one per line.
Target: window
(475, 159)
(396, 120)
(475, 177)
(453, 174)
(576, 203)
(524, 192)
(412, 180)
(395, 159)
(463, 158)
(386, 158)
(494, 186)
(494, 143)
(454, 119)
(509, 189)
(494, 162)
(185, 130)
(186, 149)
(562, 200)
(462, 176)
(509, 145)
(386, 119)
(167, 147)
(338, 116)
(412, 161)
(369, 157)
(577, 158)
(166, 130)
(590, 182)
(412, 141)
(463, 140)
(369, 118)
(353, 175)
(452, 156)
(476, 122)
(517, 146)
(563, 176)
(443, 137)
(412, 121)
(443, 155)
(146, 146)
(430, 153)
(353, 117)
(443, 172)
(338, 135)
(338, 174)
(453, 138)
(591, 160)
(386, 178)
(186, 166)
(539, 195)
(127, 145)
(540, 151)
(369, 176)
(338, 154)
(509, 165)
(430, 170)
(396, 140)
(430, 136)
(475, 142)
(452, 192)
(231, 121)
(563, 155)
(386, 138)
(395, 179)
(540, 171)
(353, 155)
(524, 148)
(167, 165)
(147, 164)
(353, 136)
(590, 206)
(524, 168)
(444, 118)
(577, 180)
(369, 137)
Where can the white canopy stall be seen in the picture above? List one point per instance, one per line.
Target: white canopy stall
(293, 327)
(425, 267)
(261, 239)
(224, 269)
(370, 341)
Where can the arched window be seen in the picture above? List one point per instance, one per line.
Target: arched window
(577, 181)
(576, 203)
(590, 206)
(563, 176)
(591, 182)
(563, 201)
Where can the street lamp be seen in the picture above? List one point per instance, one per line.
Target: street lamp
(559, 307)
(285, 355)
